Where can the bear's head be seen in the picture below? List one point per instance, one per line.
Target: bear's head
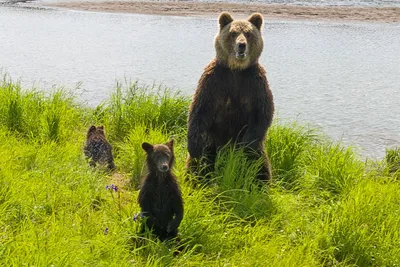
(160, 158)
(93, 130)
(239, 43)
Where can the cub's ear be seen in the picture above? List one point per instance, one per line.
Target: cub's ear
(257, 20)
(170, 144)
(100, 129)
(224, 19)
(147, 147)
(91, 130)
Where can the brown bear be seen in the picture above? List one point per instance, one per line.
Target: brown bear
(233, 102)
(97, 147)
(160, 198)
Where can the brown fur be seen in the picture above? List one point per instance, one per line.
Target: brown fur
(97, 147)
(160, 197)
(233, 101)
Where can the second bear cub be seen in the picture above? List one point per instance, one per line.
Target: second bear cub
(160, 197)
(97, 148)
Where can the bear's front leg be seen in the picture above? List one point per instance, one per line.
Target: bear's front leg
(177, 207)
(256, 131)
(254, 137)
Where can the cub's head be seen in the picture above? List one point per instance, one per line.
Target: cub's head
(160, 158)
(239, 43)
(93, 130)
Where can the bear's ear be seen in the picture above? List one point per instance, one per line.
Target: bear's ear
(170, 144)
(147, 147)
(224, 19)
(100, 129)
(92, 129)
(256, 19)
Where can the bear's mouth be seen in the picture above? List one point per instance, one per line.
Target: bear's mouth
(241, 55)
(163, 168)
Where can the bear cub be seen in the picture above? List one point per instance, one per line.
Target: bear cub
(97, 148)
(160, 198)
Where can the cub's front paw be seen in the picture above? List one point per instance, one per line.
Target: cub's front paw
(170, 228)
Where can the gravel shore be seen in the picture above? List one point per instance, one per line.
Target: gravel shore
(270, 11)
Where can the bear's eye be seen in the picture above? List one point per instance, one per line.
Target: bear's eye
(234, 34)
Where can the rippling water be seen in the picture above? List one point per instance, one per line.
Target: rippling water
(342, 77)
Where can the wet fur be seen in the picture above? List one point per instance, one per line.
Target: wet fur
(233, 102)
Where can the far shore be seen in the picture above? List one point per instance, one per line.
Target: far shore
(270, 11)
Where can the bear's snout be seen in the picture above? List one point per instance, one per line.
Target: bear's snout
(163, 167)
(241, 48)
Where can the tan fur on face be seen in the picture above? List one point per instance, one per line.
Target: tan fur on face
(232, 32)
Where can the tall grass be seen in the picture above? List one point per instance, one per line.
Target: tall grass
(154, 107)
(393, 160)
(239, 189)
(323, 208)
(38, 116)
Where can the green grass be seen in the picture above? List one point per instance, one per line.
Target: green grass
(325, 206)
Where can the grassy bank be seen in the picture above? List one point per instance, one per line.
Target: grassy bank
(326, 206)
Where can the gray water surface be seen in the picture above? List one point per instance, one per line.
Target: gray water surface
(344, 78)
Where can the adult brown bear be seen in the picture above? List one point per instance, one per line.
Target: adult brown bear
(233, 102)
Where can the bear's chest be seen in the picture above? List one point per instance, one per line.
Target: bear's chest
(232, 116)
(161, 200)
(235, 98)
(231, 105)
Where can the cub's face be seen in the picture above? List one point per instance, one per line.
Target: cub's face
(160, 156)
(239, 43)
(93, 130)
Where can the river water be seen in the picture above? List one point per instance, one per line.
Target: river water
(342, 77)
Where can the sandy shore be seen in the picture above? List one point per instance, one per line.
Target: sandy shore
(270, 11)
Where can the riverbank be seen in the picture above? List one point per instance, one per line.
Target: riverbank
(270, 11)
(324, 207)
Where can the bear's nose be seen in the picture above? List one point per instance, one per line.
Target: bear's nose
(242, 46)
(164, 167)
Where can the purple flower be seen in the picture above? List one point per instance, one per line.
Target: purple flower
(106, 231)
(112, 187)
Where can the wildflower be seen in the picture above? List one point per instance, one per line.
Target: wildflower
(106, 231)
(112, 187)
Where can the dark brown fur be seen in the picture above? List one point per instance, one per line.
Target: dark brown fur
(97, 147)
(233, 101)
(160, 197)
